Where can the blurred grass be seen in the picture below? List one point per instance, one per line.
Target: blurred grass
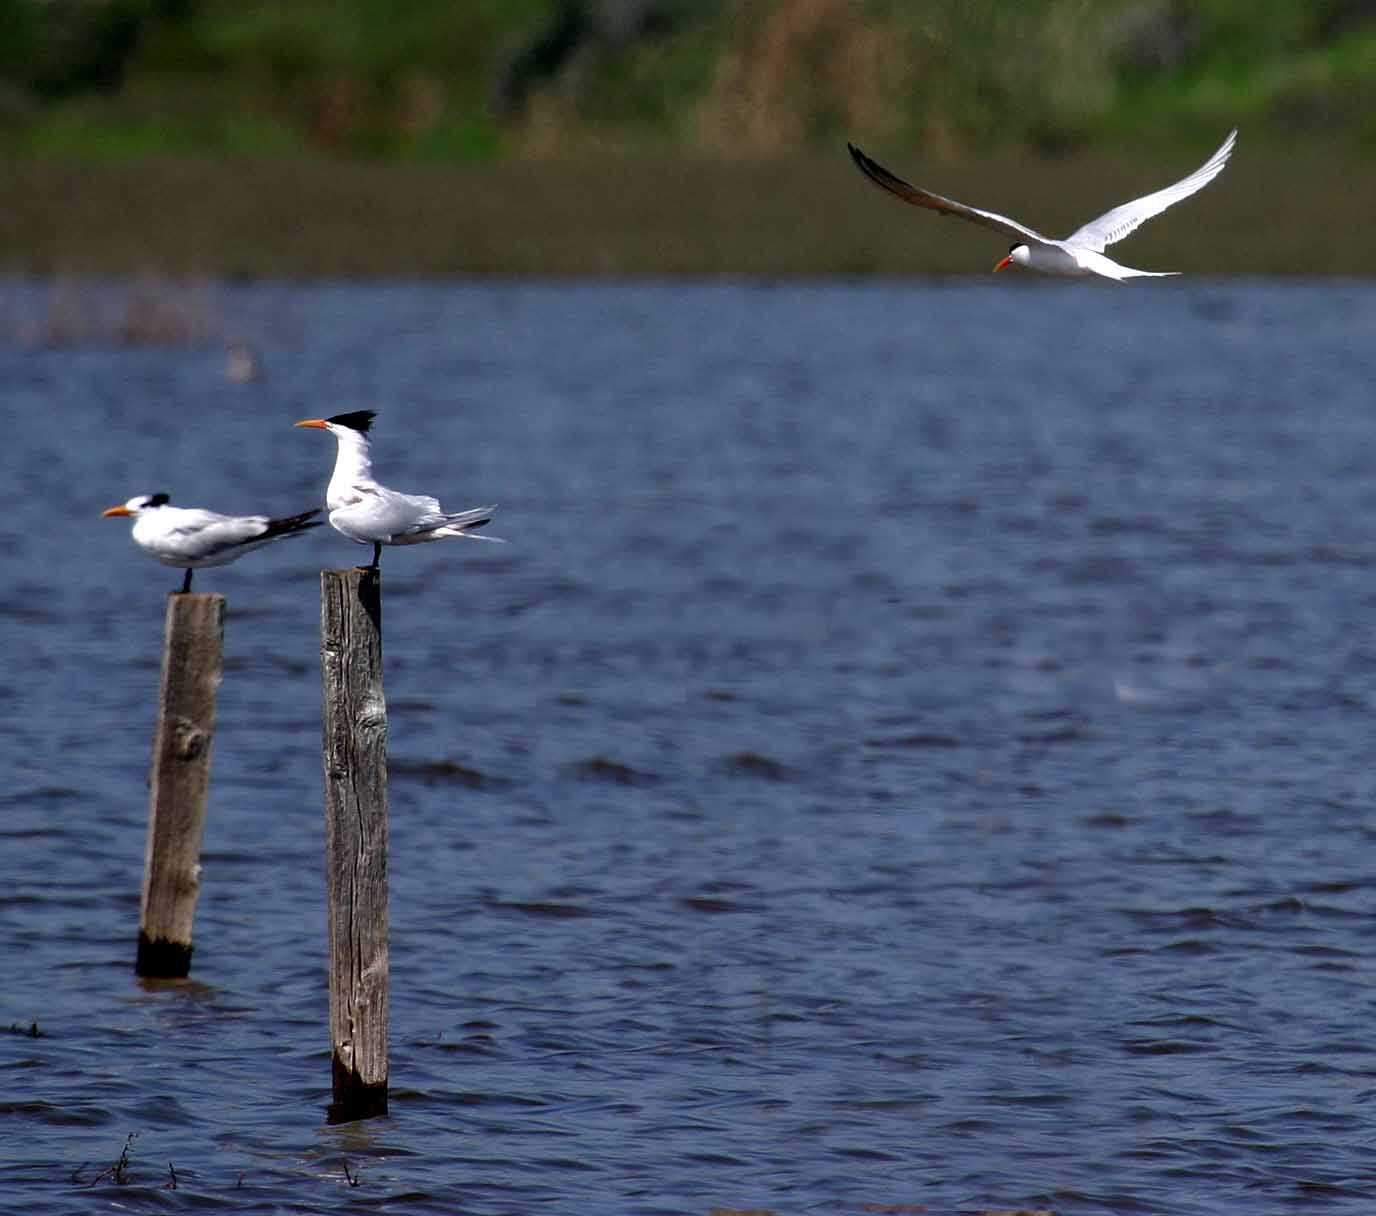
(436, 80)
(1302, 212)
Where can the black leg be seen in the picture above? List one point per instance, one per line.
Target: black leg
(377, 554)
(186, 582)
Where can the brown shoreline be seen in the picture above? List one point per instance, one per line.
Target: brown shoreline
(1269, 214)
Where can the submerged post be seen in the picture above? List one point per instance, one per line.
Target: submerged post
(192, 660)
(355, 754)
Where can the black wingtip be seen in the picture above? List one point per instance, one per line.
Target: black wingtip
(290, 524)
(356, 420)
(875, 172)
(879, 175)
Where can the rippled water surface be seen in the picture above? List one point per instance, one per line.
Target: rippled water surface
(916, 747)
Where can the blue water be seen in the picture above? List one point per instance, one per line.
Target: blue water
(915, 747)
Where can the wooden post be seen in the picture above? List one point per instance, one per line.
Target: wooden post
(192, 659)
(355, 753)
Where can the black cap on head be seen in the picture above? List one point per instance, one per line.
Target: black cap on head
(358, 420)
(158, 500)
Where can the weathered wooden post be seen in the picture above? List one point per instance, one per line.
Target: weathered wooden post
(355, 754)
(192, 660)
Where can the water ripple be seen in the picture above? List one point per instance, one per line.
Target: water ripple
(888, 765)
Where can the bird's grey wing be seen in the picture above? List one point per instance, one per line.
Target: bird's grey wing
(196, 533)
(391, 513)
(187, 521)
(1116, 224)
(219, 528)
(239, 530)
(909, 193)
(425, 512)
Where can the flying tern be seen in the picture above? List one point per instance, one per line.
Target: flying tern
(189, 538)
(1082, 252)
(370, 513)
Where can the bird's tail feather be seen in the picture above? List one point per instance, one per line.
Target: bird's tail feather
(1124, 273)
(468, 535)
(462, 523)
(474, 517)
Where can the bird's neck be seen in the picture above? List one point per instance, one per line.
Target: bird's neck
(352, 465)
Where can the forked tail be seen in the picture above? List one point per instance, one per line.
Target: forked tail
(464, 523)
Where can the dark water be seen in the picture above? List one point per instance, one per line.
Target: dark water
(916, 748)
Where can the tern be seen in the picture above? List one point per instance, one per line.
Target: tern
(370, 513)
(1082, 252)
(189, 538)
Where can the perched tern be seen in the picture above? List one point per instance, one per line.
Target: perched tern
(189, 538)
(1082, 252)
(370, 513)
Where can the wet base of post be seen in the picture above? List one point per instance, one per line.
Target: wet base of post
(354, 1098)
(163, 959)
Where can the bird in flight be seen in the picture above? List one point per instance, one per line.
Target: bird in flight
(370, 513)
(190, 538)
(1082, 252)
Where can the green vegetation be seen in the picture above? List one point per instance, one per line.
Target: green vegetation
(467, 80)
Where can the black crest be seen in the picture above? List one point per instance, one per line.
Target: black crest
(358, 420)
(158, 500)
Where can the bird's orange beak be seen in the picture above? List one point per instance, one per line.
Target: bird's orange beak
(318, 423)
(1006, 262)
(119, 510)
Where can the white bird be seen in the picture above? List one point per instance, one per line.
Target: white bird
(370, 513)
(189, 538)
(1082, 252)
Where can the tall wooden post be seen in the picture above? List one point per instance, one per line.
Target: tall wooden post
(192, 660)
(355, 753)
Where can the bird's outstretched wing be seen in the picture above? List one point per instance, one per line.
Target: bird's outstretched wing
(1116, 224)
(909, 193)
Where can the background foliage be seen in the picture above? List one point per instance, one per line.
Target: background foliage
(435, 80)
